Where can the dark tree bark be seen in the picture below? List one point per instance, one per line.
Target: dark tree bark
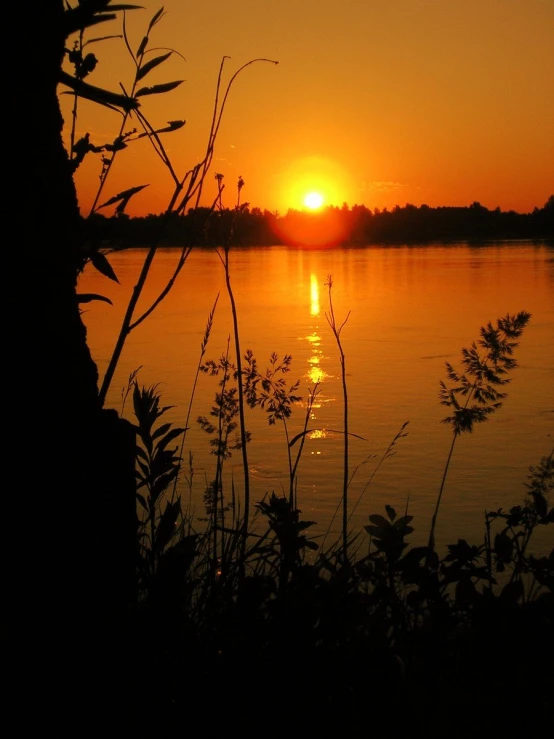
(71, 514)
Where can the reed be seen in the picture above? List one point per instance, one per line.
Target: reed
(203, 347)
(486, 364)
(224, 256)
(336, 329)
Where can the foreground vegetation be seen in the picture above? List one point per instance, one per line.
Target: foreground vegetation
(397, 640)
(258, 629)
(124, 618)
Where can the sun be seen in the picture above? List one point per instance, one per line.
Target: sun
(303, 180)
(313, 200)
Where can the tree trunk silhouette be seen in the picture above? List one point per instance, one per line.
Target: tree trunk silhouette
(70, 558)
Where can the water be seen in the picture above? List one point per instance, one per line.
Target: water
(404, 311)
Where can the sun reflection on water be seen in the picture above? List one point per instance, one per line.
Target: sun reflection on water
(314, 295)
(315, 373)
(318, 434)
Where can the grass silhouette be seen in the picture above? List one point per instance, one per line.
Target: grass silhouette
(312, 637)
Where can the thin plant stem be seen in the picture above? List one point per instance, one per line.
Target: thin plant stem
(312, 394)
(456, 433)
(389, 452)
(222, 435)
(203, 347)
(225, 260)
(488, 373)
(431, 542)
(125, 329)
(243, 435)
(336, 329)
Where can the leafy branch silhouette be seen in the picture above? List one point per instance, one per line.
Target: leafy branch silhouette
(480, 382)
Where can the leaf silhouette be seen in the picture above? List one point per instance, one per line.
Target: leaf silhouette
(103, 266)
(157, 89)
(172, 126)
(123, 196)
(89, 297)
(149, 66)
(99, 95)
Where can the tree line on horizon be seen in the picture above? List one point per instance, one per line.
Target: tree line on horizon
(344, 226)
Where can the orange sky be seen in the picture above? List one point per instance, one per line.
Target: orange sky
(374, 102)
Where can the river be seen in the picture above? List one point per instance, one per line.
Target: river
(404, 312)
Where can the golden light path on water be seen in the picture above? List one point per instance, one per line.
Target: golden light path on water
(314, 295)
(315, 373)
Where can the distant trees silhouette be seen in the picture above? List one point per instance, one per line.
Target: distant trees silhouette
(355, 226)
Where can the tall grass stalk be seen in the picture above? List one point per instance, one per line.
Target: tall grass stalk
(336, 330)
(224, 256)
(203, 346)
(390, 451)
(483, 374)
(223, 431)
(293, 467)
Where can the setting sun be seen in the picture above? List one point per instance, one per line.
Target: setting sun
(313, 183)
(313, 200)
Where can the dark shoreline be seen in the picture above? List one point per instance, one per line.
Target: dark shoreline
(333, 227)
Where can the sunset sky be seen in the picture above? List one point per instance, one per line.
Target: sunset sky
(374, 102)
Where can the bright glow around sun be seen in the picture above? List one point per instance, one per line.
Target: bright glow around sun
(313, 200)
(311, 177)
